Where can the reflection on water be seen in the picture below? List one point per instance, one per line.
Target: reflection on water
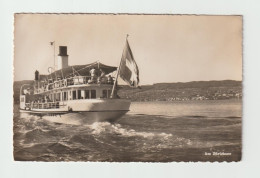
(151, 131)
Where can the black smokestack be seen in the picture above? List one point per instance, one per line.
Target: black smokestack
(63, 51)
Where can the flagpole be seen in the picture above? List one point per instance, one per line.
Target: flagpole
(118, 69)
(54, 55)
(52, 43)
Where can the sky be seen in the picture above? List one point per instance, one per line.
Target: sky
(167, 48)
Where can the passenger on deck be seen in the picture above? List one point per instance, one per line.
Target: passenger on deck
(109, 79)
(101, 78)
(102, 73)
(48, 99)
(70, 81)
(93, 76)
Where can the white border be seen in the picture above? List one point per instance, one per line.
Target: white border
(248, 167)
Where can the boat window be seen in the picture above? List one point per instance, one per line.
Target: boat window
(109, 93)
(70, 98)
(57, 96)
(86, 94)
(74, 95)
(79, 94)
(93, 94)
(65, 96)
(104, 95)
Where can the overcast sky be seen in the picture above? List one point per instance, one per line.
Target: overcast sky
(167, 48)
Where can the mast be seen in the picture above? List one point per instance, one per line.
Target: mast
(53, 43)
(118, 69)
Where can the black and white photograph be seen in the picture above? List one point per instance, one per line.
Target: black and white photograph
(95, 87)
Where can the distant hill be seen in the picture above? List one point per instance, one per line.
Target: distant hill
(196, 90)
(200, 84)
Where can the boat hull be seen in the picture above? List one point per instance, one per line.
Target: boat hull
(84, 111)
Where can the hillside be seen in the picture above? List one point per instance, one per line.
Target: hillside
(197, 90)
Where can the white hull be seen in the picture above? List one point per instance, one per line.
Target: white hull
(84, 111)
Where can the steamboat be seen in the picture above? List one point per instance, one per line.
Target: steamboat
(85, 93)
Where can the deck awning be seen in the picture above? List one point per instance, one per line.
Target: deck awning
(82, 70)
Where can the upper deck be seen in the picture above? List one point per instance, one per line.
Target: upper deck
(41, 87)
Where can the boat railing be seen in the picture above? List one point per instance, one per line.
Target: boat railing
(48, 105)
(76, 80)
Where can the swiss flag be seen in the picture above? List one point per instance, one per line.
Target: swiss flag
(129, 71)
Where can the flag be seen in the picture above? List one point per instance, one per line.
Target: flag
(128, 68)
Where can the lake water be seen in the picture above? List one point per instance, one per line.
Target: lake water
(150, 132)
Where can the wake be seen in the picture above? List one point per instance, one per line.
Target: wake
(106, 127)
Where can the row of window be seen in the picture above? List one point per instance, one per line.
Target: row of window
(78, 94)
(106, 93)
(83, 94)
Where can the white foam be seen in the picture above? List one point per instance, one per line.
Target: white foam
(99, 127)
(63, 120)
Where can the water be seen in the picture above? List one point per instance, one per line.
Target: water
(150, 132)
